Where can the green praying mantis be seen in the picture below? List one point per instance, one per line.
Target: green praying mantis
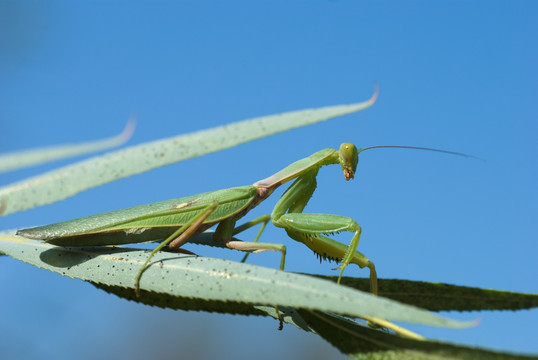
(178, 220)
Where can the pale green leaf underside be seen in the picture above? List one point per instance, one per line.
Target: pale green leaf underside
(70, 180)
(211, 279)
(26, 158)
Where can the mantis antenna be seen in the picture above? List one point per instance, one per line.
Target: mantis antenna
(420, 148)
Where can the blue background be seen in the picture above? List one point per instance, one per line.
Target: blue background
(453, 75)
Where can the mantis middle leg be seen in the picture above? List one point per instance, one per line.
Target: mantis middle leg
(227, 229)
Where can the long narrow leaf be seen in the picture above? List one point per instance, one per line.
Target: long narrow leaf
(26, 158)
(168, 301)
(211, 279)
(70, 180)
(353, 339)
(443, 297)
(361, 342)
(425, 295)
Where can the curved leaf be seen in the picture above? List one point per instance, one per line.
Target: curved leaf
(211, 279)
(168, 301)
(443, 297)
(70, 180)
(361, 342)
(352, 338)
(26, 158)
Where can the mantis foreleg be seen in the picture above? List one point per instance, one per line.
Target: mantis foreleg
(309, 228)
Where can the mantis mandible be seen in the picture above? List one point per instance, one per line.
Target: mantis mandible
(178, 220)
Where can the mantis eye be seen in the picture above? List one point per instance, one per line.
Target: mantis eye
(349, 159)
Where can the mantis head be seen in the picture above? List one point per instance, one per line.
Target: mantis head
(348, 156)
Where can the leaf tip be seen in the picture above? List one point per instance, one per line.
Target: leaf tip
(373, 99)
(128, 130)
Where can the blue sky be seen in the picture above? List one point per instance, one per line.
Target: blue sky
(455, 75)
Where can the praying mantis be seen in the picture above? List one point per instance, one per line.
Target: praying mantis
(178, 220)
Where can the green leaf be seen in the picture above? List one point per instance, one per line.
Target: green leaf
(426, 295)
(168, 301)
(443, 297)
(351, 338)
(361, 342)
(26, 158)
(70, 180)
(211, 279)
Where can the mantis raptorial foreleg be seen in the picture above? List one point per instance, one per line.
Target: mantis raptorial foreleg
(309, 228)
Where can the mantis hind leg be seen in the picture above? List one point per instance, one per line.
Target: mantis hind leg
(178, 238)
